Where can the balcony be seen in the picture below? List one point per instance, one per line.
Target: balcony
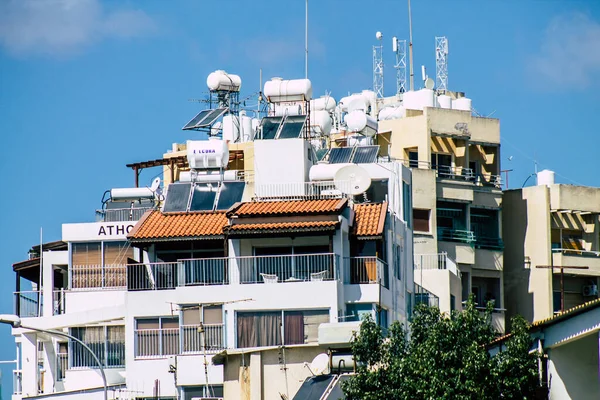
(58, 301)
(435, 261)
(98, 277)
(424, 296)
(361, 270)
(489, 243)
(582, 258)
(223, 271)
(121, 214)
(301, 190)
(187, 339)
(456, 235)
(28, 303)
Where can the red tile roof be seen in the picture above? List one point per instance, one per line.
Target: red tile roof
(156, 225)
(369, 219)
(280, 208)
(285, 226)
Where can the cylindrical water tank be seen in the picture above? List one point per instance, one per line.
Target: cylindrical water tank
(207, 176)
(231, 128)
(221, 80)
(247, 130)
(129, 194)
(323, 103)
(295, 109)
(426, 98)
(278, 90)
(410, 100)
(463, 103)
(325, 172)
(371, 98)
(255, 125)
(320, 121)
(545, 177)
(359, 140)
(358, 121)
(445, 101)
(203, 154)
(358, 103)
(392, 113)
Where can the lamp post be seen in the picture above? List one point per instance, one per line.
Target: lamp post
(15, 322)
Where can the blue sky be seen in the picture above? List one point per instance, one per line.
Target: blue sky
(88, 86)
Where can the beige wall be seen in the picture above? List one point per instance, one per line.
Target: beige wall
(259, 376)
(408, 133)
(569, 197)
(442, 283)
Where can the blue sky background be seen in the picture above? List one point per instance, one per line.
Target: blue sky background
(88, 86)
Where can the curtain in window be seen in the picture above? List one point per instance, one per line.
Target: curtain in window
(259, 329)
(294, 327)
(115, 346)
(86, 265)
(115, 261)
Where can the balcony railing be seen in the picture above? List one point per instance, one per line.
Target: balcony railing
(455, 235)
(435, 261)
(58, 301)
(62, 364)
(196, 338)
(17, 381)
(28, 303)
(152, 276)
(121, 214)
(489, 243)
(98, 276)
(366, 270)
(156, 342)
(288, 268)
(424, 296)
(574, 252)
(203, 271)
(301, 190)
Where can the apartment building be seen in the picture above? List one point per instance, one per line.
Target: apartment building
(252, 244)
(552, 247)
(454, 157)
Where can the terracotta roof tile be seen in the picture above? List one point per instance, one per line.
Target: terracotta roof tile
(298, 225)
(156, 225)
(297, 207)
(369, 219)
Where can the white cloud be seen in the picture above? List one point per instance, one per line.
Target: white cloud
(59, 27)
(570, 53)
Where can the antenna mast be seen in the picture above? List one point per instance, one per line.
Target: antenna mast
(410, 48)
(399, 48)
(306, 42)
(441, 64)
(378, 66)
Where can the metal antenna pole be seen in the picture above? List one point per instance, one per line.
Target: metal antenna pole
(306, 42)
(441, 64)
(410, 48)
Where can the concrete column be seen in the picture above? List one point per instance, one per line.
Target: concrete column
(49, 366)
(29, 364)
(255, 376)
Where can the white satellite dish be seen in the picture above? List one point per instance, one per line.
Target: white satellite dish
(379, 35)
(429, 83)
(155, 184)
(320, 364)
(352, 179)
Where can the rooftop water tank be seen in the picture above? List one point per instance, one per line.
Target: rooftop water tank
(545, 177)
(207, 154)
(426, 98)
(358, 121)
(221, 80)
(323, 103)
(278, 90)
(445, 101)
(392, 113)
(231, 128)
(320, 122)
(463, 103)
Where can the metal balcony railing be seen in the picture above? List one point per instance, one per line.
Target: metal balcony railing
(301, 190)
(17, 381)
(98, 277)
(152, 276)
(424, 296)
(156, 342)
(58, 301)
(28, 303)
(490, 243)
(366, 270)
(456, 235)
(452, 172)
(197, 338)
(435, 261)
(62, 364)
(288, 268)
(121, 214)
(203, 271)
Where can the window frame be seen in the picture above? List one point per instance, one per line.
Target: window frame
(160, 337)
(104, 357)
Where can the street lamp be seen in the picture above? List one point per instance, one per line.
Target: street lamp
(15, 322)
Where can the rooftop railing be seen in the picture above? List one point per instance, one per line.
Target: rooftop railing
(301, 190)
(28, 303)
(359, 270)
(121, 214)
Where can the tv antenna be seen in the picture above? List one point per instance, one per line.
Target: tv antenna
(441, 64)
(378, 66)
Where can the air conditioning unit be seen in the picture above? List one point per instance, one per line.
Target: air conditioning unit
(590, 290)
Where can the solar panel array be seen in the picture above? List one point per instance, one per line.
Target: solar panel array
(199, 196)
(357, 155)
(289, 127)
(205, 118)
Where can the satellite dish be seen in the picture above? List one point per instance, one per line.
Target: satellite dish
(379, 35)
(429, 83)
(155, 184)
(320, 364)
(352, 179)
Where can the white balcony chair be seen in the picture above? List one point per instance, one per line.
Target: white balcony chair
(318, 276)
(269, 278)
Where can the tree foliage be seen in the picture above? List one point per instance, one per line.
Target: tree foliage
(444, 357)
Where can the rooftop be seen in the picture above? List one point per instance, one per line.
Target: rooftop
(155, 225)
(369, 219)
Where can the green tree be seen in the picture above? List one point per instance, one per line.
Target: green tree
(443, 357)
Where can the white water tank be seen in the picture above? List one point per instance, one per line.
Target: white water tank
(208, 176)
(392, 113)
(359, 140)
(358, 121)
(320, 122)
(247, 130)
(445, 101)
(371, 98)
(278, 90)
(281, 110)
(325, 172)
(426, 98)
(322, 103)
(129, 194)
(462, 103)
(221, 80)
(545, 177)
(206, 154)
(231, 128)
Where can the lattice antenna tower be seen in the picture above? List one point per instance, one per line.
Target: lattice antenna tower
(441, 64)
(399, 48)
(378, 66)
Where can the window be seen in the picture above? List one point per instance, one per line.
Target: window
(485, 290)
(202, 320)
(99, 264)
(273, 328)
(486, 227)
(204, 391)
(62, 360)
(382, 318)
(442, 163)
(156, 336)
(107, 342)
(452, 302)
(413, 159)
(398, 261)
(421, 220)
(358, 311)
(407, 203)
